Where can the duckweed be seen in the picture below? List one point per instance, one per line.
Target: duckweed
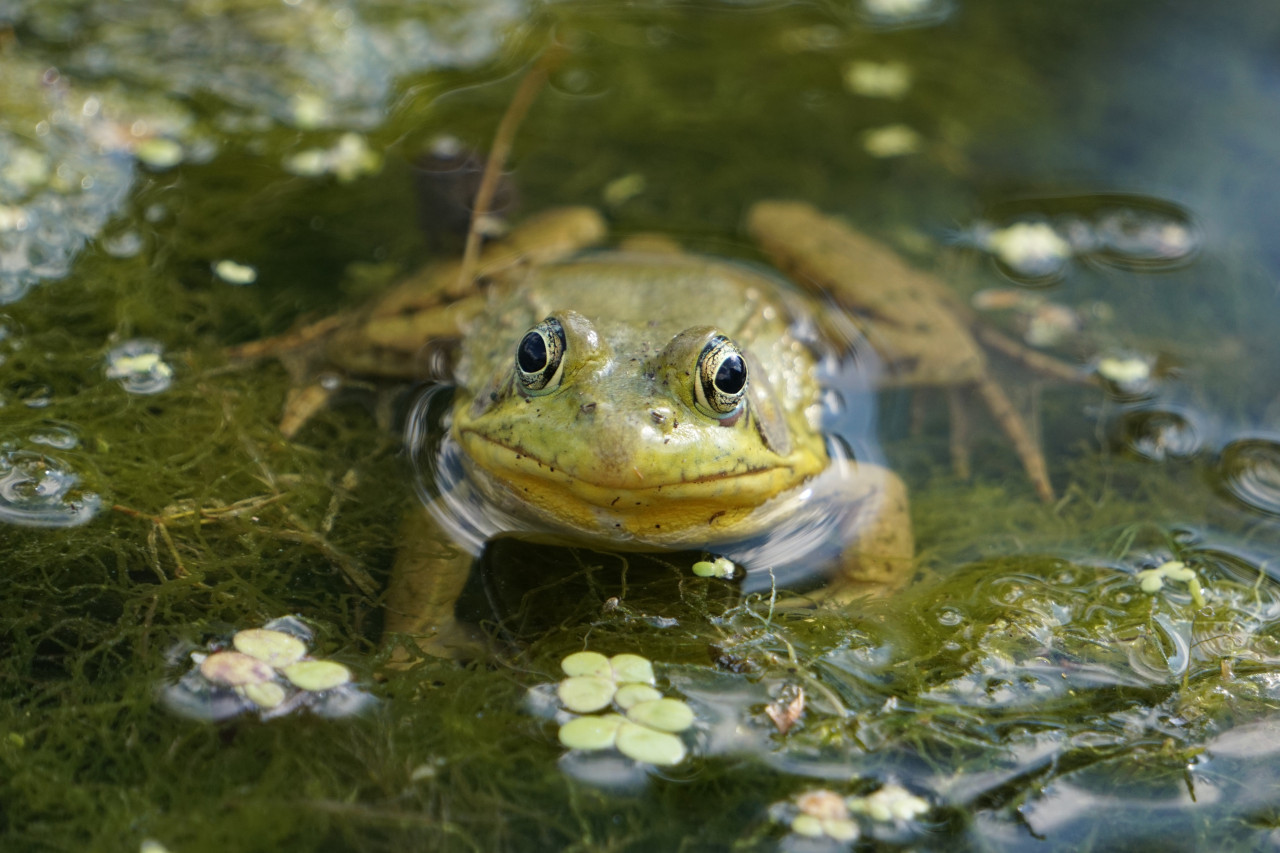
(720, 567)
(820, 813)
(235, 669)
(892, 802)
(648, 732)
(648, 745)
(587, 663)
(273, 647)
(583, 694)
(665, 715)
(317, 675)
(632, 668)
(235, 273)
(591, 733)
(633, 694)
(266, 694)
(267, 671)
(1152, 580)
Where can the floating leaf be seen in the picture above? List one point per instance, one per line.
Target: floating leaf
(583, 694)
(633, 694)
(235, 669)
(591, 732)
(652, 747)
(587, 663)
(667, 715)
(632, 668)
(274, 647)
(266, 694)
(317, 674)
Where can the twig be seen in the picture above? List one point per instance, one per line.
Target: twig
(503, 138)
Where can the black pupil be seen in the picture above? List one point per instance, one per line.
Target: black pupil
(731, 375)
(532, 354)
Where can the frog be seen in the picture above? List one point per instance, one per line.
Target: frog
(642, 397)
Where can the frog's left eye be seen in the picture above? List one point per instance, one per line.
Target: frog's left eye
(539, 355)
(722, 378)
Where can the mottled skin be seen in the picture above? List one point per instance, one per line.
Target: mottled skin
(619, 450)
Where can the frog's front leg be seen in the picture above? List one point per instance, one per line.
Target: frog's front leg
(429, 575)
(880, 558)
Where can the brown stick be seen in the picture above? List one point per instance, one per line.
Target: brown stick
(503, 138)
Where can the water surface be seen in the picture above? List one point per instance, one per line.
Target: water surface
(1032, 688)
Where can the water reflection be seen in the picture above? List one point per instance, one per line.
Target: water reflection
(139, 367)
(1158, 435)
(41, 490)
(1249, 471)
(1034, 240)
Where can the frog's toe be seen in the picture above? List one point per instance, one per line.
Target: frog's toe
(301, 405)
(454, 640)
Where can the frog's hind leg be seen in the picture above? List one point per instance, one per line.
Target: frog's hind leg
(1015, 429)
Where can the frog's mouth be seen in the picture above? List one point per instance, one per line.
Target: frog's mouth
(611, 499)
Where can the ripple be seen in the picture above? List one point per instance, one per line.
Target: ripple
(55, 435)
(903, 14)
(1146, 237)
(1249, 470)
(138, 366)
(1158, 435)
(1035, 239)
(38, 490)
(1161, 654)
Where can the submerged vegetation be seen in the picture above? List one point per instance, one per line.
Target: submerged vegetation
(1113, 655)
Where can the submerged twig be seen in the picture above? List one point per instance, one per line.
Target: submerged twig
(503, 138)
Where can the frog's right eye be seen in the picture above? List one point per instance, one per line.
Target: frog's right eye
(539, 356)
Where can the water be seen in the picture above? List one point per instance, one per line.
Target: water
(1096, 181)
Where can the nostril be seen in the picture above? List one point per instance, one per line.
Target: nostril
(587, 408)
(660, 415)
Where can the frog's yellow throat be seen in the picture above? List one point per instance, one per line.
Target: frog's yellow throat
(657, 509)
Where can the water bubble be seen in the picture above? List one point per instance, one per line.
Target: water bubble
(235, 273)
(137, 364)
(899, 14)
(56, 435)
(37, 490)
(1159, 435)
(1249, 469)
(1137, 237)
(1030, 251)
(126, 244)
(578, 82)
(1161, 654)
(1127, 375)
(950, 617)
(33, 395)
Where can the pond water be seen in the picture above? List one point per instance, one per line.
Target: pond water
(1094, 180)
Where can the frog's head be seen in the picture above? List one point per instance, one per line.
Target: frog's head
(606, 430)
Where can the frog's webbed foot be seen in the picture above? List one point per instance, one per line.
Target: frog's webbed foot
(913, 320)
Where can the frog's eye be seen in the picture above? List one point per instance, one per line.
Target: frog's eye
(722, 378)
(539, 355)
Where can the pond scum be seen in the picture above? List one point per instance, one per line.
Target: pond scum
(1035, 688)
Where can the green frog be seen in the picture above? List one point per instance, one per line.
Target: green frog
(647, 398)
